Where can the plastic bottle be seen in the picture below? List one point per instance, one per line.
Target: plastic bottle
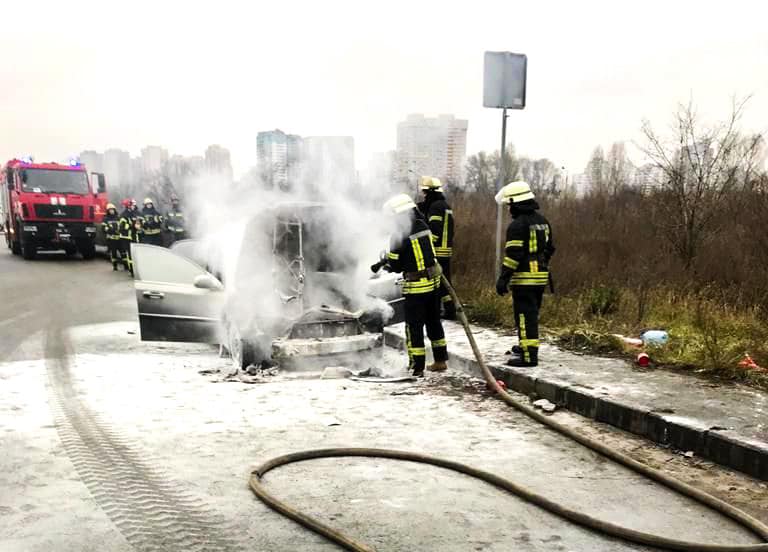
(655, 337)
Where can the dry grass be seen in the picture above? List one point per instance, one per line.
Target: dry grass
(615, 275)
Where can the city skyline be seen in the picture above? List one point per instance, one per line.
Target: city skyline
(594, 73)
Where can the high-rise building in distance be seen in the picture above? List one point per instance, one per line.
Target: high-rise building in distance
(153, 159)
(431, 146)
(218, 161)
(278, 158)
(93, 161)
(118, 169)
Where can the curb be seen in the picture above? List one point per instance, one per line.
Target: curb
(719, 446)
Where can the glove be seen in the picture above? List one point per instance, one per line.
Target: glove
(502, 286)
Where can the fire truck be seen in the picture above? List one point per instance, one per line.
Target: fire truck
(51, 206)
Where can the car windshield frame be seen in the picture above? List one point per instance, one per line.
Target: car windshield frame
(56, 181)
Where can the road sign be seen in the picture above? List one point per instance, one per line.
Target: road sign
(504, 79)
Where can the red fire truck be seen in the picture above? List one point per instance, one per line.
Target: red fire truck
(49, 206)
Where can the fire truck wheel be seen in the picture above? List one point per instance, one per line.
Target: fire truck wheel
(14, 245)
(70, 251)
(28, 249)
(87, 250)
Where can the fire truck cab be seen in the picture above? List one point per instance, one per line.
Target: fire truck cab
(50, 206)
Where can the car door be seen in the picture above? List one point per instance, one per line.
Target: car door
(177, 300)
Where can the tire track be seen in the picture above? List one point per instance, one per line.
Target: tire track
(152, 512)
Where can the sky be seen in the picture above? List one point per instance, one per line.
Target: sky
(81, 74)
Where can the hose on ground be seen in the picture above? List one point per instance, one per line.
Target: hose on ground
(742, 518)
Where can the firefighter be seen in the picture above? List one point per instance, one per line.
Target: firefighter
(174, 222)
(130, 226)
(111, 226)
(439, 216)
(527, 252)
(411, 252)
(151, 224)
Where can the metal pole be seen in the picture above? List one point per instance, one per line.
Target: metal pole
(500, 207)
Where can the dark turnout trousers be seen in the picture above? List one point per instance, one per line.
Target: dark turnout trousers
(423, 309)
(527, 302)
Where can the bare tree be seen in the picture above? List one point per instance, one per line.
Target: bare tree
(701, 165)
(596, 170)
(617, 169)
(541, 174)
(483, 170)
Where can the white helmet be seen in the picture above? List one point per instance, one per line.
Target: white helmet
(431, 183)
(514, 192)
(398, 204)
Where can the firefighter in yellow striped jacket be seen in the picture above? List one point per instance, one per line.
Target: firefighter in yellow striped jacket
(439, 216)
(412, 252)
(527, 252)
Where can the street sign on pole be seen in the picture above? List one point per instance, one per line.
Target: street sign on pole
(504, 83)
(504, 79)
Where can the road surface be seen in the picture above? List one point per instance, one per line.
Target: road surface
(112, 444)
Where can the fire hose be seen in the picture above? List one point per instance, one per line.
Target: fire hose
(612, 530)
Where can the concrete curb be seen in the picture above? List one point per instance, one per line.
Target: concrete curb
(686, 434)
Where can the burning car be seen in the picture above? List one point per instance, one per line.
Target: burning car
(290, 293)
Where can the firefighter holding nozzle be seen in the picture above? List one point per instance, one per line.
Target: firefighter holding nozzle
(525, 268)
(412, 252)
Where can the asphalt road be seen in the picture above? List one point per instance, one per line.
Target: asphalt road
(112, 444)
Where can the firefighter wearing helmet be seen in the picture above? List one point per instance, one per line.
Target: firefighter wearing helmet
(439, 217)
(525, 269)
(412, 252)
(130, 226)
(110, 224)
(174, 221)
(152, 224)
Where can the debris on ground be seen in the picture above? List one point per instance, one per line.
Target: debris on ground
(749, 364)
(655, 338)
(629, 341)
(545, 405)
(335, 372)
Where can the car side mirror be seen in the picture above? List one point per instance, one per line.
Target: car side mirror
(9, 178)
(206, 281)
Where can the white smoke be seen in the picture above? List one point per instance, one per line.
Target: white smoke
(237, 231)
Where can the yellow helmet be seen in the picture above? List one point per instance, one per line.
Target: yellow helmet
(431, 183)
(398, 204)
(111, 206)
(514, 192)
(148, 200)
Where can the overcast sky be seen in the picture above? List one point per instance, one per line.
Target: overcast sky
(76, 74)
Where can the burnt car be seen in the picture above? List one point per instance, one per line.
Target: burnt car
(284, 290)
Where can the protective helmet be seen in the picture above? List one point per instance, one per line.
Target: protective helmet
(148, 201)
(132, 202)
(398, 204)
(514, 192)
(126, 202)
(111, 206)
(431, 183)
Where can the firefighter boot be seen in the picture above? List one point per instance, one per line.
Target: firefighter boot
(521, 362)
(438, 366)
(515, 350)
